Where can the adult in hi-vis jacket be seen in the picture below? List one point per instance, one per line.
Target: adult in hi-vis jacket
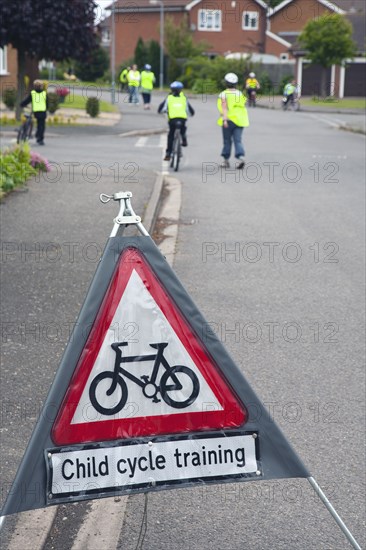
(39, 100)
(234, 118)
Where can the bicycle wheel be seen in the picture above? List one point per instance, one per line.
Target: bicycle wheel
(21, 133)
(104, 401)
(177, 151)
(179, 387)
(29, 129)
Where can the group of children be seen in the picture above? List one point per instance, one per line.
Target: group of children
(134, 82)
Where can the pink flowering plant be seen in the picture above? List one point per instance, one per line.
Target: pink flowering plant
(62, 92)
(39, 163)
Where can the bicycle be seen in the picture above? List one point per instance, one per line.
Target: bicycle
(171, 381)
(176, 153)
(293, 103)
(25, 130)
(252, 97)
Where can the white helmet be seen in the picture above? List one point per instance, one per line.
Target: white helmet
(252, 75)
(231, 78)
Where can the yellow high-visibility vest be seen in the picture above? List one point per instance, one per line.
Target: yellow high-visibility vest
(39, 101)
(133, 78)
(177, 106)
(236, 109)
(147, 80)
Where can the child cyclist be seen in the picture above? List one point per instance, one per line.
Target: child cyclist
(177, 107)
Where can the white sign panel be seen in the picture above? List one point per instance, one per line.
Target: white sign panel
(151, 463)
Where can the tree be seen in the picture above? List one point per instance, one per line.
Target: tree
(147, 52)
(273, 3)
(140, 53)
(47, 29)
(95, 66)
(179, 45)
(328, 41)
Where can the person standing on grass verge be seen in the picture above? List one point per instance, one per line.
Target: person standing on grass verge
(133, 79)
(39, 100)
(234, 118)
(147, 85)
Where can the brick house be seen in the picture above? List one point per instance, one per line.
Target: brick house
(8, 68)
(224, 25)
(285, 23)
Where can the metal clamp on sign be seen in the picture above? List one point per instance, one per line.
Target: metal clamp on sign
(126, 215)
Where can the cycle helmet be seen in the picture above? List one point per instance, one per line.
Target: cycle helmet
(231, 78)
(176, 85)
(147, 67)
(252, 75)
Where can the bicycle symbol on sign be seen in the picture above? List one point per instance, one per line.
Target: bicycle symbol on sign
(174, 385)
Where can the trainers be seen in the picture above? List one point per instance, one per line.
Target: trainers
(167, 157)
(184, 142)
(225, 164)
(241, 163)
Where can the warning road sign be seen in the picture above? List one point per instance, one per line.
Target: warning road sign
(163, 406)
(161, 381)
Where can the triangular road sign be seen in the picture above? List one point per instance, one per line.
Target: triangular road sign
(162, 378)
(169, 408)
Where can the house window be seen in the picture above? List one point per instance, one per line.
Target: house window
(250, 20)
(106, 36)
(209, 20)
(3, 61)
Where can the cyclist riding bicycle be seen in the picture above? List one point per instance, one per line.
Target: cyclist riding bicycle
(290, 92)
(252, 86)
(177, 107)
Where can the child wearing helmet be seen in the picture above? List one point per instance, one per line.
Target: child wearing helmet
(147, 85)
(234, 118)
(178, 108)
(252, 86)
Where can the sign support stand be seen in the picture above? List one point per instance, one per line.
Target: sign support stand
(333, 512)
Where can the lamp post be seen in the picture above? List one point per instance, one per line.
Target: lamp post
(161, 4)
(113, 55)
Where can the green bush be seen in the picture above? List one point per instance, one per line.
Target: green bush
(201, 73)
(10, 97)
(92, 106)
(53, 102)
(15, 167)
(205, 86)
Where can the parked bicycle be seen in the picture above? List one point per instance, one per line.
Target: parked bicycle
(178, 385)
(177, 147)
(26, 128)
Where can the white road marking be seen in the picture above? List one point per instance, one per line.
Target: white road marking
(32, 528)
(141, 142)
(102, 526)
(329, 122)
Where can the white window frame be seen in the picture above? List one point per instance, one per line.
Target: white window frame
(106, 36)
(253, 16)
(4, 60)
(210, 20)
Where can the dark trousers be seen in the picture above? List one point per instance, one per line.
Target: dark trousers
(289, 98)
(183, 131)
(41, 125)
(146, 96)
